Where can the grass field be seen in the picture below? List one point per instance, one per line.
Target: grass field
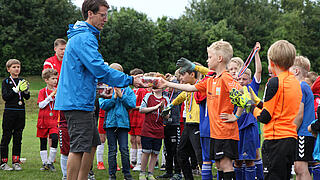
(31, 146)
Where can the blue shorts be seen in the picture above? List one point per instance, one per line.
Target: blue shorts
(249, 142)
(205, 145)
(151, 145)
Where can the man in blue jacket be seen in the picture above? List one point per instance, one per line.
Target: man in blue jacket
(82, 67)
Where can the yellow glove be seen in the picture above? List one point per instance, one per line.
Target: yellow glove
(24, 85)
(254, 97)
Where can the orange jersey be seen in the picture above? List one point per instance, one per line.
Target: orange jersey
(217, 90)
(282, 101)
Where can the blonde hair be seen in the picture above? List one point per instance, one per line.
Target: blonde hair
(222, 48)
(303, 64)
(282, 53)
(248, 72)
(11, 62)
(312, 76)
(238, 61)
(116, 66)
(47, 73)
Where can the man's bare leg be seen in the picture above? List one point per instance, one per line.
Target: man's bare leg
(86, 164)
(73, 165)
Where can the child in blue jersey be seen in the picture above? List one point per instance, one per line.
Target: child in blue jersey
(248, 129)
(305, 142)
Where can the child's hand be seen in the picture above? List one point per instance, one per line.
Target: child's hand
(258, 46)
(162, 83)
(229, 117)
(54, 92)
(118, 92)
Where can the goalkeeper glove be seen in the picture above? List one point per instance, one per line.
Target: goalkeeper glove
(166, 110)
(254, 97)
(24, 85)
(185, 65)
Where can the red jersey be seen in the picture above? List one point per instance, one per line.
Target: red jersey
(48, 117)
(101, 121)
(53, 63)
(137, 118)
(153, 122)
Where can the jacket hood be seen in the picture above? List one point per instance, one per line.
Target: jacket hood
(81, 27)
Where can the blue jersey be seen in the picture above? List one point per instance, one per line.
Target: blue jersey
(308, 112)
(204, 125)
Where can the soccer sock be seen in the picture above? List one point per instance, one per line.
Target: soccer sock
(163, 160)
(63, 164)
(139, 154)
(52, 155)
(15, 159)
(133, 155)
(220, 175)
(4, 160)
(249, 173)
(206, 172)
(259, 169)
(229, 175)
(239, 172)
(316, 172)
(44, 156)
(100, 149)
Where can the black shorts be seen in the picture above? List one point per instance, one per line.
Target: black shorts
(278, 158)
(304, 148)
(151, 145)
(83, 131)
(220, 148)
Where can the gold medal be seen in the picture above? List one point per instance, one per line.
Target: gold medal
(20, 103)
(50, 114)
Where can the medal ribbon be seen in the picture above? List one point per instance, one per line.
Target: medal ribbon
(51, 107)
(248, 61)
(15, 85)
(191, 99)
(171, 95)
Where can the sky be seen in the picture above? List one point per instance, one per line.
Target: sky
(153, 8)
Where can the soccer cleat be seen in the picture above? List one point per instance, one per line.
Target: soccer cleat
(5, 167)
(163, 167)
(165, 175)
(150, 176)
(157, 165)
(16, 166)
(51, 167)
(91, 175)
(118, 168)
(128, 177)
(100, 166)
(44, 167)
(176, 177)
(131, 166)
(64, 177)
(142, 176)
(137, 168)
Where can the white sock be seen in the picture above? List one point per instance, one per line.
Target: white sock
(163, 158)
(63, 164)
(133, 155)
(44, 156)
(139, 154)
(100, 149)
(52, 155)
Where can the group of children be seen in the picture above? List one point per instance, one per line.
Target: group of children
(193, 111)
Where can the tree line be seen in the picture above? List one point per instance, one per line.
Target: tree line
(131, 38)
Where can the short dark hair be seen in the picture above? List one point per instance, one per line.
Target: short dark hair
(59, 41)
(92, 5)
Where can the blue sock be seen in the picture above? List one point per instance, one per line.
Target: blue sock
(310, 169)
(239, 171)
(316, 172)
(259, 169)
(206, 172)
(250, 173)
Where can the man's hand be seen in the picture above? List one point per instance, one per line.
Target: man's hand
(185, 65)
(229, 117)
(137, 82)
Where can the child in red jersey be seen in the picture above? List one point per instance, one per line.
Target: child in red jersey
(152, 131)
(47, 119)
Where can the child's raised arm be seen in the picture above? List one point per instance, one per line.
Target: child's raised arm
(184, 87)
(258, 72)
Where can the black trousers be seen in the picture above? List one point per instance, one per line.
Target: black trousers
(278, 157)
(12, 125)
(190, 141)
(171, 141)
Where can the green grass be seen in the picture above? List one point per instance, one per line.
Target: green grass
(31, 145)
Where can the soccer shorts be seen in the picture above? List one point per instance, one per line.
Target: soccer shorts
(249, 142)
(151, 145)
(304, 148)
(45, 132)
(64, 141)
(135, 131)
(220, 148)
(205, 145)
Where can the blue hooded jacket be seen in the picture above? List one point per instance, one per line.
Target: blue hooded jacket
(117, 109)
(82, 67)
